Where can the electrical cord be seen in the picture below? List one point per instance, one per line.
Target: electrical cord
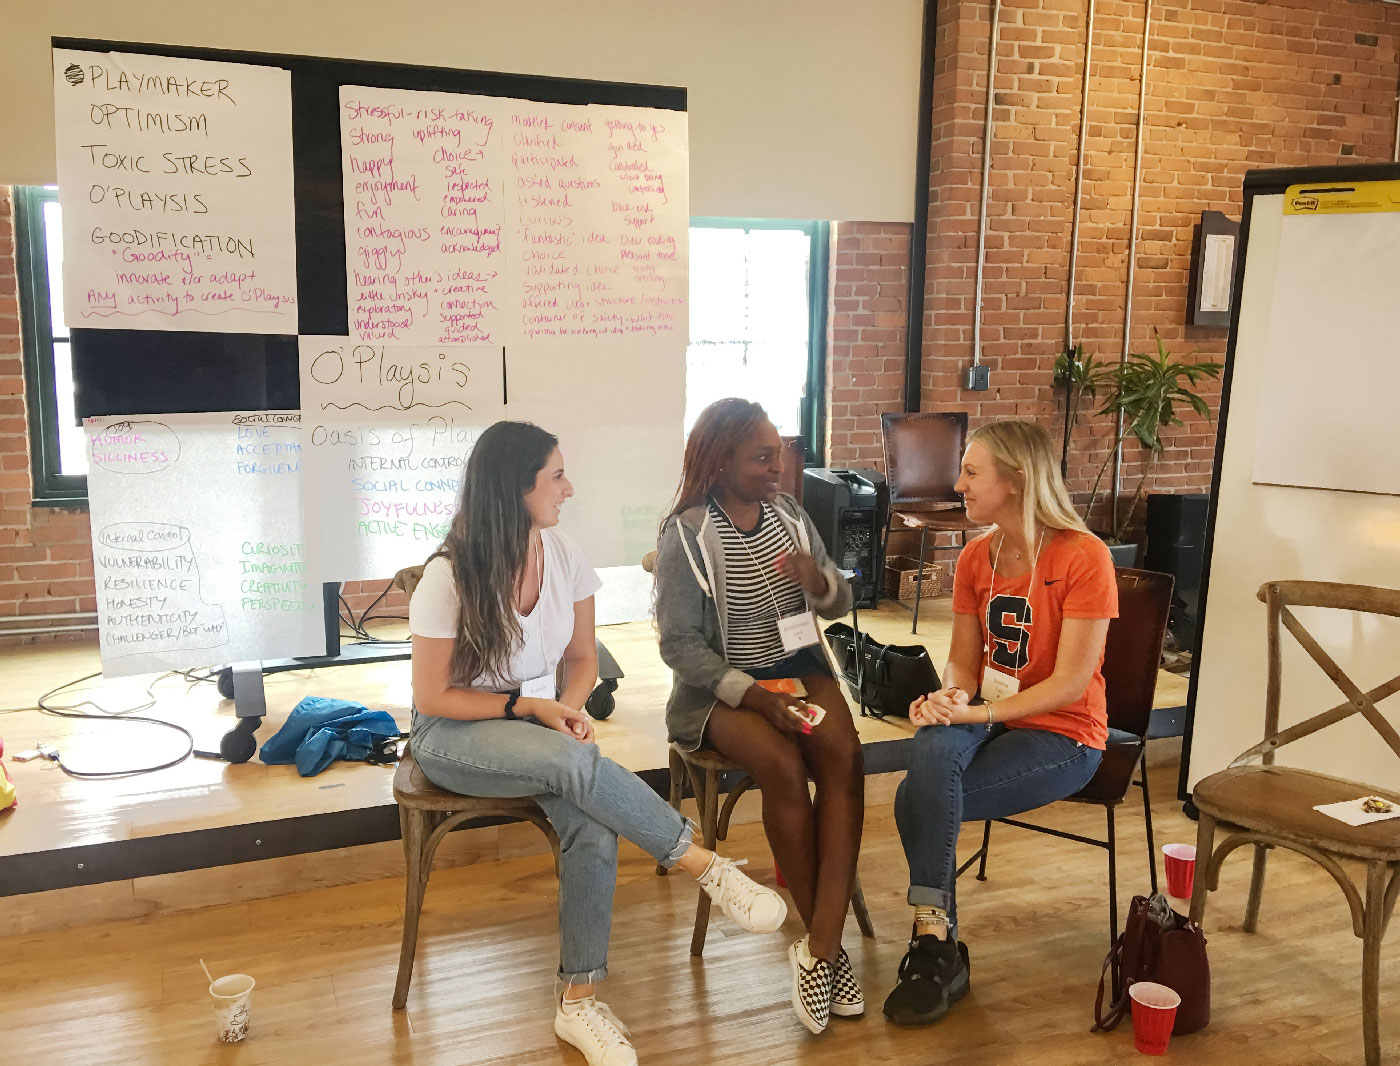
(102, 714)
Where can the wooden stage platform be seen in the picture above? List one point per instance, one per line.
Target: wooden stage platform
(202, 814)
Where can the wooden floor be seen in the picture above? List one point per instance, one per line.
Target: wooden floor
(132, 993)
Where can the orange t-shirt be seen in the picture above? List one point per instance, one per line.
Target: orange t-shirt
(1073, 578)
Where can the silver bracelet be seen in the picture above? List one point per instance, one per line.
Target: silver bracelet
(990, 720)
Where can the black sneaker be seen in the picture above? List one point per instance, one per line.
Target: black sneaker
(933, 975)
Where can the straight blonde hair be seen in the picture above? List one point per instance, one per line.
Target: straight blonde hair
(1024, 457)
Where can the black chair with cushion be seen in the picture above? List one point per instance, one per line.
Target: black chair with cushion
(1132, 658)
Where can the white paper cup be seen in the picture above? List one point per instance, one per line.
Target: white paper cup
(230, 998)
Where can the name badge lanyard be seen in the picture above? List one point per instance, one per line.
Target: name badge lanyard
(542, 686)
(991, 596)
(794, 636)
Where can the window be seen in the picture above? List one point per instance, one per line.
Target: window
(758, 321)
(57, 453)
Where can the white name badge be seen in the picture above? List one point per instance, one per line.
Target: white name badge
(997, 686)
(539, 688)
(798, 631)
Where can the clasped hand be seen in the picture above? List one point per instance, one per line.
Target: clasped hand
(556, 715)
(947, 706)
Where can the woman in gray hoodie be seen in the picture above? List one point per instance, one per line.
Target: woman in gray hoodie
(740, 575)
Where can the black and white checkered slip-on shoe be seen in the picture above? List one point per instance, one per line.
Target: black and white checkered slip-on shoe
(812, 980)
(847, 1000)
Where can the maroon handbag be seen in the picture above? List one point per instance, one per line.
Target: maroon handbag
(1160, 945)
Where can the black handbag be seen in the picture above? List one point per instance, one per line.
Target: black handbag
(1160, 945)
(888, 677)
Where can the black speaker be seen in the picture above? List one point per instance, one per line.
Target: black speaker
(849, 507)
(1176, 535)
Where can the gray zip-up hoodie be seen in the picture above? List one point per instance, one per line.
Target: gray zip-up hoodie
(691, 618)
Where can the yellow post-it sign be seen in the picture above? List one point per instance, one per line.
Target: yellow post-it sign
(1342, 198)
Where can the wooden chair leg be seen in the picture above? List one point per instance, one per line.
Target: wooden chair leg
(1147, 822)
(677, 790)
(1205, 846)
(986, 848)
(1256, 888)
(708, 794)
(867, 927)
(1371, 960)
(413, 826)
(919, 579)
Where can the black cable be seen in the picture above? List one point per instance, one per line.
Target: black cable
(71, 711)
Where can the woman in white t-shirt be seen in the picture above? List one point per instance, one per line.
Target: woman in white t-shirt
(507, 599)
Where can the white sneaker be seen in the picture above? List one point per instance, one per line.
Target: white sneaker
(812, 981)
(594, 1029)
(753, 907)
(847, 1000)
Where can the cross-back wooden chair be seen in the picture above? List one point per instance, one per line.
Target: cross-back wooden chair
(1272, 806)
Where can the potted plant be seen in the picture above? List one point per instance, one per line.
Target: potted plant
(1146, 390)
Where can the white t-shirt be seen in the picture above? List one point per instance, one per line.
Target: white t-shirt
(547, 629)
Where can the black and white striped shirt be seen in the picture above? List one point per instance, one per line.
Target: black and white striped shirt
(756, 594)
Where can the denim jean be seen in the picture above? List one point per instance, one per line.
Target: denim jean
(589, 799)
(967, 773)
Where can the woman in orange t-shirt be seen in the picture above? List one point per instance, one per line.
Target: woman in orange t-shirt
(1031, 604)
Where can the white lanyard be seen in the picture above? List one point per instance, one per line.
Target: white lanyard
(796, 631)
(988, 668)
(537, 686)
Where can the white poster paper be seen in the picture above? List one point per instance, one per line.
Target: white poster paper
(597, 223)
(1327, 409)
(424, 201)
(198, 548)
(175, 177)
(388, 431)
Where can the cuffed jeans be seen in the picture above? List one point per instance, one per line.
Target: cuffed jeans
(590, 800)
(967, 773)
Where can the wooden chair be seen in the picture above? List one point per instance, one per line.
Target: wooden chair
(426, 815)
(705, 769)
(1132, 657)
(1271, 806)
(923, 456)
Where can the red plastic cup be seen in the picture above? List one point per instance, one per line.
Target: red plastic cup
(1180, 861)
(1154, 1014)
(778, 876)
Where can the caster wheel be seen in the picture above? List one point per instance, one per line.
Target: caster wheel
(238, 744)
(600, 702)
(225, 682)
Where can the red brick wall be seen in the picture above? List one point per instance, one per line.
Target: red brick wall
(868, 283)
(1232, 85)
(45, 552)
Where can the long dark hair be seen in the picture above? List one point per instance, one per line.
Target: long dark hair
(488, 543)
(716, 433)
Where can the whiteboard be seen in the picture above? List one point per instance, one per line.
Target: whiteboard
(177, 193)
(198, 549)
(1269, 532)
(1328, 402)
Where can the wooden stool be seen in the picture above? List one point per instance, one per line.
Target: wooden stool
(705, 768)
(427, 814)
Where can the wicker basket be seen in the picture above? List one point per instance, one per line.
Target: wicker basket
(901, 573)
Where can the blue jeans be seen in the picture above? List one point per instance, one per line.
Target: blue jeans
(590, 800)
(966, 773)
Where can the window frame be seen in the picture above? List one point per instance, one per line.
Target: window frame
(50, 487)
(813, 407)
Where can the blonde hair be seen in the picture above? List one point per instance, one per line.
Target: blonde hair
(1024, 457)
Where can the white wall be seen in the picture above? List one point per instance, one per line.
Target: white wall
(1269, 532)
(798, 108)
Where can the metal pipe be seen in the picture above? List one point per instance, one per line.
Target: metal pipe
(1079, 177)
(90, 616)
(37, 630)
(918, 239)
(1395, 157)
(994, 37)
(1132, 251)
